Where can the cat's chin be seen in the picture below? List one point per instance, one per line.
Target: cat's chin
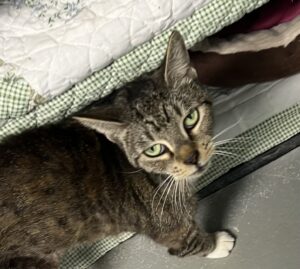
(192, 178)
(198, 174)
(195, 177)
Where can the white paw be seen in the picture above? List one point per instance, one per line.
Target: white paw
(224, 245)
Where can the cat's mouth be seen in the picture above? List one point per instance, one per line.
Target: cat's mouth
(201, 169)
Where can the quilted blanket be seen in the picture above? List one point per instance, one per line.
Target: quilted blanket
(55, 44)
(47, 46)
(55, 50)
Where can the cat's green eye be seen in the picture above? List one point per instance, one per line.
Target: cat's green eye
(191, 119)
(155, 150)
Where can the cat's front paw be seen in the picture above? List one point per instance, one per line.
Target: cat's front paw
(224, 245)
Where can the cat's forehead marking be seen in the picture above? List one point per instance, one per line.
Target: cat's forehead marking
(166, 113)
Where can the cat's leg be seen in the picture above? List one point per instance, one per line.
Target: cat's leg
(27, 262)
(31, 263)
(189, 240)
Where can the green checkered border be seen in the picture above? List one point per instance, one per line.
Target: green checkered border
(248, 145)
(207, 20)
(85, 255)
(14, 98)
(255, 141)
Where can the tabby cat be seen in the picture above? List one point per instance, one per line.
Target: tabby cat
(122, 164)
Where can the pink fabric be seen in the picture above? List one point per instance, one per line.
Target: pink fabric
(271, 14)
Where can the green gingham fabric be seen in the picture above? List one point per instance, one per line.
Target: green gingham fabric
(254, 141)
(85, 255)
(205, 21)
(14, 98)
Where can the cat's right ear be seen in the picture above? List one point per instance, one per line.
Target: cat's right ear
(114, 131)
(177, 62)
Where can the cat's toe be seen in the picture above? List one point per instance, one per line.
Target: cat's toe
(224, 245)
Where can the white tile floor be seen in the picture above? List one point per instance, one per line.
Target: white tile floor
(262, 209)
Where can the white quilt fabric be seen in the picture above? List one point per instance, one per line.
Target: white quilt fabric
(51, 58)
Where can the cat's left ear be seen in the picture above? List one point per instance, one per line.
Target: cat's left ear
(177, 63)
(113, 130)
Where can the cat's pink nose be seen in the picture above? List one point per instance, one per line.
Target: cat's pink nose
(193, 158)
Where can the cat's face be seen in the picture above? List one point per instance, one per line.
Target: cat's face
(163, 122)
(170, 131)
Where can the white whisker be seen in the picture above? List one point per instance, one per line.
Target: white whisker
(166, 197)
(181, 197)
(173, 195)
(133, 172)
(158, 188)
(162, 195)
(229, 153)
(225, 155)
(225, 147)
(231, 140)
(176, 198)
(184, 194)
(226, 129)
(188, 186)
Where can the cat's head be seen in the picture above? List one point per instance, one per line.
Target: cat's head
(162, 121)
